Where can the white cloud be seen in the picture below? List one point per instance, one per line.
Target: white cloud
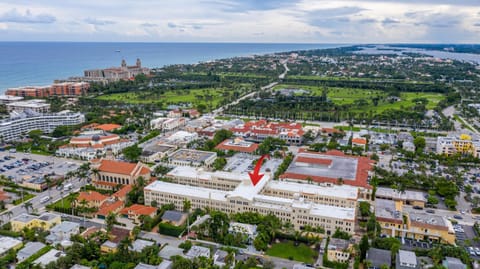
(350, 21)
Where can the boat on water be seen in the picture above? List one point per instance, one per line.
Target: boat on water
(117, 50)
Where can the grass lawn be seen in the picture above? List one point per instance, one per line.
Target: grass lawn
(345, 96)
(193, 96)
(288, 250)
(26, 197)
(64, 205)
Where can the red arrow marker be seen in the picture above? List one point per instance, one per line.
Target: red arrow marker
(255, 176)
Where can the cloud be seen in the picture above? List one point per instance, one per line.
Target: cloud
(387, 21)
(367, 21)
(17, 17)
(336, 12)
(250, 5)
(98, 22)
(172, 25)
(149, 24)
(477, 24)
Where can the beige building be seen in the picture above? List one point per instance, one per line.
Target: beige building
(109, 174)
(36, 105)
(338, 250)
(44, 221)
(396, 222)
(233, 192)
(463, 144)
(191, 157)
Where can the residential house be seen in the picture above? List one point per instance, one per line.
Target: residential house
(453, 263)
(174, 217)
(63, 231)
(338, 250)
(135, 211)
(30, 249)
(49, 257)
(220, 258)
(406, 260)
(45, 221)
(376, 258)
(198, 251)
(139, 244)
(8, 243)
(93, 199)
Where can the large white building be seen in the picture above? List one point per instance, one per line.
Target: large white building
(20, 124)
(35, 105)
(330, 207)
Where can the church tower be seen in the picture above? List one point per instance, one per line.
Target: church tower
(124, 63)
(139, 63)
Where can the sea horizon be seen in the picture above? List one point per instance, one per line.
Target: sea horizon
(36, 63)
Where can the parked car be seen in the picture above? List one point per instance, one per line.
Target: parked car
(457, 217)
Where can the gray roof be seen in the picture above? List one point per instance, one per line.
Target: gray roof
(220, 255)
(65, 227)
(165, 264)
(169, 251)
(29, 249)
(453, 263)
(407, 256)
(198, 251)
(378, 257)
(172, 215)
(139, 244)
(145, 266)
(78, 266)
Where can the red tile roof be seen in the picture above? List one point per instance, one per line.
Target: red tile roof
(137, 209)
(226, 145)
(91, 196)
(108, 127)
(123, 168)
(314, 160)
(122, 193)
(361, 141)
(108, 207)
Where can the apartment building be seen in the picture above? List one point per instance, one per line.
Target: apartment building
(56, 89)
(190, 157)
(396, 222)
(6, 99)
(224, 195)
(463, 144)
(21, 124)
(109, 173)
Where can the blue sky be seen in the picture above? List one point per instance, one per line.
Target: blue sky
(292, 21)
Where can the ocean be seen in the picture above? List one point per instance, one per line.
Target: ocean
(40, 63)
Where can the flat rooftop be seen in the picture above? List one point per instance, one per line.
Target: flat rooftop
(343, 191)
(191, 191)
(189, 155)
(390, 193)
(200, 174)
(324, 165)
(387, 211)
(329, 167)
(424, 219)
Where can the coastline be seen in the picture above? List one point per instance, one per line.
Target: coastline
(40, 63)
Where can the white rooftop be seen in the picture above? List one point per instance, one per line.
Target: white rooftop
(7, 243)
(194, 192)
(198, 251)
(343, 191)
(198, 173)
(49, 257)
(396, 195)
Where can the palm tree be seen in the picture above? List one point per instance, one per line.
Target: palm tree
(110, 220)
(27, 206)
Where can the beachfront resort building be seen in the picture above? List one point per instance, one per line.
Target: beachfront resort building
(122, 72)
(20, 124)
(291, 133)
(330, 207)
(56, 89)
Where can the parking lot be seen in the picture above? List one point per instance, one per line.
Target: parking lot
(17, 165)
(242, 163)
